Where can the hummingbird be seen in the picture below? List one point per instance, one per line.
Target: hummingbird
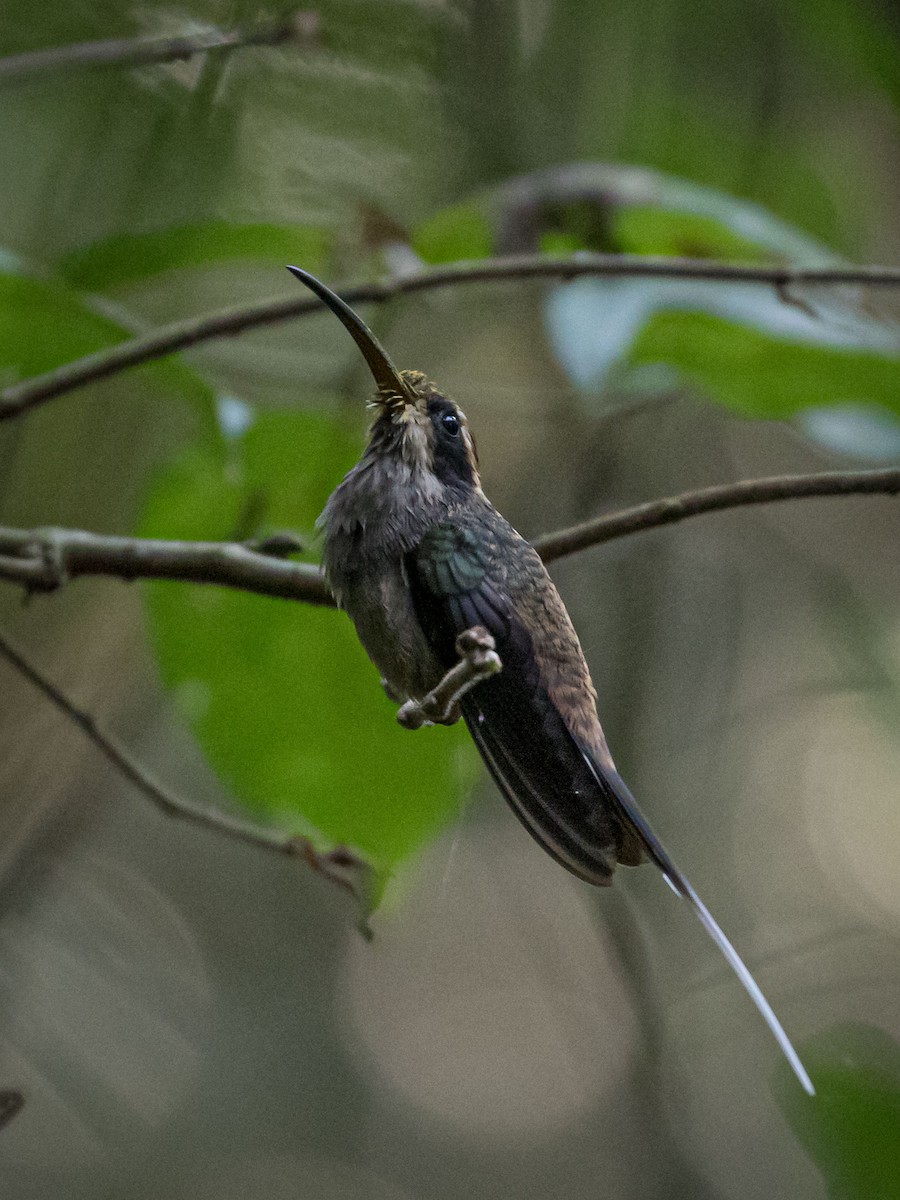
(416, 555)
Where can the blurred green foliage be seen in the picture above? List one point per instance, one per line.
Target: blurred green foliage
(459, 232)
(282, 699)
(44, 324)
(852, 1128)
(129, 258)
(759, 375)
(646, 229)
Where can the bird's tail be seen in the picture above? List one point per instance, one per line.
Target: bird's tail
(656, 851)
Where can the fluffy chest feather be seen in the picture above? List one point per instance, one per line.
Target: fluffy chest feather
(372, 521)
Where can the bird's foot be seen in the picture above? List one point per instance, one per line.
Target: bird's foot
(478, 660)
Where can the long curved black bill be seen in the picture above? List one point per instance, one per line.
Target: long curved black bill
(390, 383)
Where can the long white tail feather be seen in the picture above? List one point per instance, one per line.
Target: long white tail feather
(680, 884)
(751, 987)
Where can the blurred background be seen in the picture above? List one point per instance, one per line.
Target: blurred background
(190, 1018)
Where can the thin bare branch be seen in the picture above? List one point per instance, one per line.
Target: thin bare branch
(714, 499)
(42, 560)
(341, 866)
(302, 28)
(181, 335)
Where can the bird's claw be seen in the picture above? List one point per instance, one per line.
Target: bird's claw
(478, 660)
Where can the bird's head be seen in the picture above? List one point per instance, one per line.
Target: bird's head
(414, 422)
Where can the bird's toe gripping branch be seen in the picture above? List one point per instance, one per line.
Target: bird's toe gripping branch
(478, 660)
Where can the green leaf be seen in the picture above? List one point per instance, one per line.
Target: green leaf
(851, 1127)
(650, 229)
(598, 206)
(557, 242)
(752, 224)
(651, 212)
(850, 39)
(280, 696)
(455, 233)
(129, 258)
(44, 325)
(761, 375)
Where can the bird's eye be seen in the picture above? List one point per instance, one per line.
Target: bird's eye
(450, 422)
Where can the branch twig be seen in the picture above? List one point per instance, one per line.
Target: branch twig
(181, 335)
(143, 51)
(43, 560)
(478, 660)
(340, 865)
(714, 499)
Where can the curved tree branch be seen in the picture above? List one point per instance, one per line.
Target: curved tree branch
(143, 51)
(340, 866)
(181, 335)
(670, 509)
(43, 560)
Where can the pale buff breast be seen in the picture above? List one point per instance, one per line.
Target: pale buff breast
(381, 609)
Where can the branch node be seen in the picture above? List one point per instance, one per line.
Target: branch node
(786, 296)
(50, 546)
(342, 867)
(478, 660)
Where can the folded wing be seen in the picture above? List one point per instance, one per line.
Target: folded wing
(577, 807)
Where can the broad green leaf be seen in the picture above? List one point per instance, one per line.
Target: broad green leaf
(650, 212)
(43, 325)
(280, 696)
(759, 374)
(556, 242)
(454, 233)
(128, 258)
(602, 206)
(851, 1127)
(650, 229)
(742, 345)
(752, 224)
